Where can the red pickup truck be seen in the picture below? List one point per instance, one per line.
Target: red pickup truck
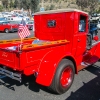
(6, 26)
(59, 49)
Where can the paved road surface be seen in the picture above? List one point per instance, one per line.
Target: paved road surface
(11, 35)
(86, 85)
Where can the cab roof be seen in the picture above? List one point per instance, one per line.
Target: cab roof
(59, 10)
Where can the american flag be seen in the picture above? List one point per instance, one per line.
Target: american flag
(23, 30)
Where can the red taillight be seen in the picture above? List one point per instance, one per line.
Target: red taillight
(96, 38)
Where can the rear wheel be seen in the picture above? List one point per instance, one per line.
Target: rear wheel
(64, 77)
(6, 30)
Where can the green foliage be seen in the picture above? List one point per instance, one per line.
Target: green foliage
(27, 4)
(47, 8)
(11, 4)
(34, 5)
(66, 0)
(1, 8)
(98, 11)
(52, 7)
(16, 4)
(90, 4)
(5, 3)
(56, 0)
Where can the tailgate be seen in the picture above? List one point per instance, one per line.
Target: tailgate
(8, 58)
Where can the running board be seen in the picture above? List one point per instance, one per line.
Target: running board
(12, 75)
(82, 66)
(85, 64)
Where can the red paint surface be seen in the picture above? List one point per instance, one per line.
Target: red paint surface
(8, 26)
(44, 59)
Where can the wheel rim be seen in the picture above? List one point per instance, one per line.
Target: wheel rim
(66, 77)
(6, 30)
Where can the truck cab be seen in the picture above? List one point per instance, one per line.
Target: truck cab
(70, 25)
(55, 54)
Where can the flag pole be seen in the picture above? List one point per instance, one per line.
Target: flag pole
(21, 40)
(20, 45)
(22, 32)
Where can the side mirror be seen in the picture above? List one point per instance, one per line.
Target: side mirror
(96, 38)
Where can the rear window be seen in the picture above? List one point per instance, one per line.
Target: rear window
(82, 23)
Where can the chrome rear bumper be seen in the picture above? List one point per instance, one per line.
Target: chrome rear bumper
(12, 75)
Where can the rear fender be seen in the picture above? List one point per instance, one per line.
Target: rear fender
(48, 67)
(95, 50)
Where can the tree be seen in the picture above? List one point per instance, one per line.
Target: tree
(82, 3)
(52, 7)
(34, 5)
(25, 4)
(16, 4)
(1, 8)
(11, 5)
(89, 4)
(93, 5)
(5, 3)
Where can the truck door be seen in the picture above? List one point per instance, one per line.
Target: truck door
(81, 35)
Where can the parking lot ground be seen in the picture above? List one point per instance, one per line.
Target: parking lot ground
(86, 85)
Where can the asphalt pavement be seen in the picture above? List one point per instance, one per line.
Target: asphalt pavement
(86, 85)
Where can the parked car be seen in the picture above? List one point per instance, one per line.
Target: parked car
(3, 19)
(6, 26)
(98, 25)
(94, 17)
(15, 22)
(30, 24)
(14, 18)
(93, 30)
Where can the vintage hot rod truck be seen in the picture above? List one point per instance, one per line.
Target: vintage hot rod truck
(59, 49)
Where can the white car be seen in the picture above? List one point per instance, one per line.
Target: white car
(98, 25)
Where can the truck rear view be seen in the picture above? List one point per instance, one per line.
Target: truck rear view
(55, 54)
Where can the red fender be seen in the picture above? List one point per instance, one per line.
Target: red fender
(48, 67)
